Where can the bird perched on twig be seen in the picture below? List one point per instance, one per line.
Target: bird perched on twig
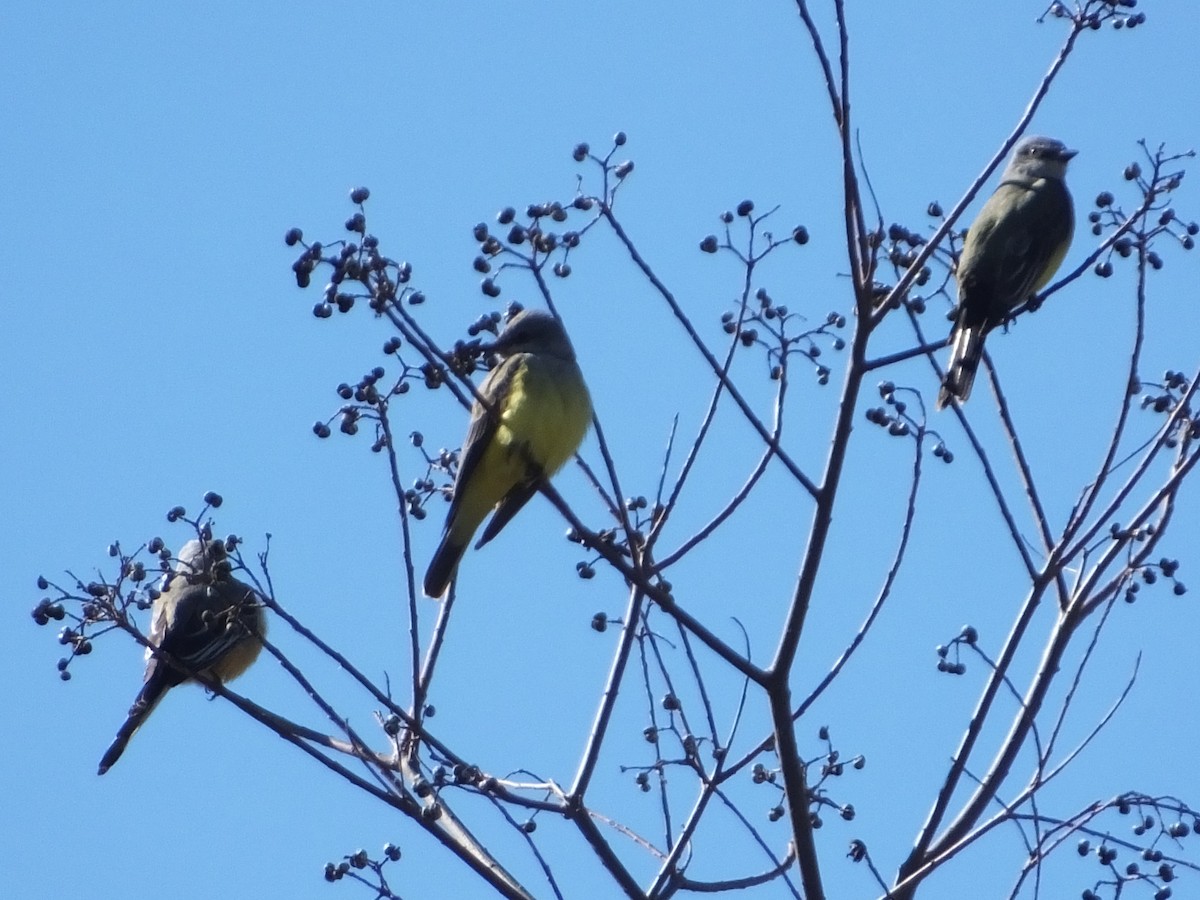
(1012, 249)
(204, 622)
(535, 411)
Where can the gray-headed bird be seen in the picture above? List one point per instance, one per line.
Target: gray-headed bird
(540, 411)
(204, 622)
(1011, 251)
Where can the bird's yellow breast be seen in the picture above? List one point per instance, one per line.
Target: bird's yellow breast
(546, 413)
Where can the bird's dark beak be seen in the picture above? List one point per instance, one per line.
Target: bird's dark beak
(1067, 155)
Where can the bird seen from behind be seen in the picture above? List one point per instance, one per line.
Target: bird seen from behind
(1012, 249)
(204, 622)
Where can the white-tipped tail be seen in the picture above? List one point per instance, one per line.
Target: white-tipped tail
(965, 355)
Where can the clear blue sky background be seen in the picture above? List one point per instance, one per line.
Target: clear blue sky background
(154, 346)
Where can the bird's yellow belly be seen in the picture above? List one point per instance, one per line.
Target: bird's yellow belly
(544, 421)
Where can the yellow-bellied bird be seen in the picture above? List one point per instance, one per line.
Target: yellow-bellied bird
(1011, 250)
(204, 622)
(540, 411)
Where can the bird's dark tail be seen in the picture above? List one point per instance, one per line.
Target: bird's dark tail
(964, 363)
(146, 700)
(444, 563)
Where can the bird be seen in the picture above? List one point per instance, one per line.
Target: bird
(204, 622)
(1012, 249)
(540, 410)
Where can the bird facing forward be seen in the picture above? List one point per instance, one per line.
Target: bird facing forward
(204, 622)
(1011, 251)
(537, 412)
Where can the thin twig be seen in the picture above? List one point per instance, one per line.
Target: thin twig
(713, 364)
(612, 687)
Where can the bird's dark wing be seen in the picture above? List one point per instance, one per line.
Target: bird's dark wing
(508, 507)
(204, 628)
(483, 426)
(1023, 246)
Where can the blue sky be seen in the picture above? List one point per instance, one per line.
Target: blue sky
(155, 346)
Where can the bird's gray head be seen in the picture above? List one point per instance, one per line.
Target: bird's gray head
(1040, 157)
(534, 331)
(198, 557)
